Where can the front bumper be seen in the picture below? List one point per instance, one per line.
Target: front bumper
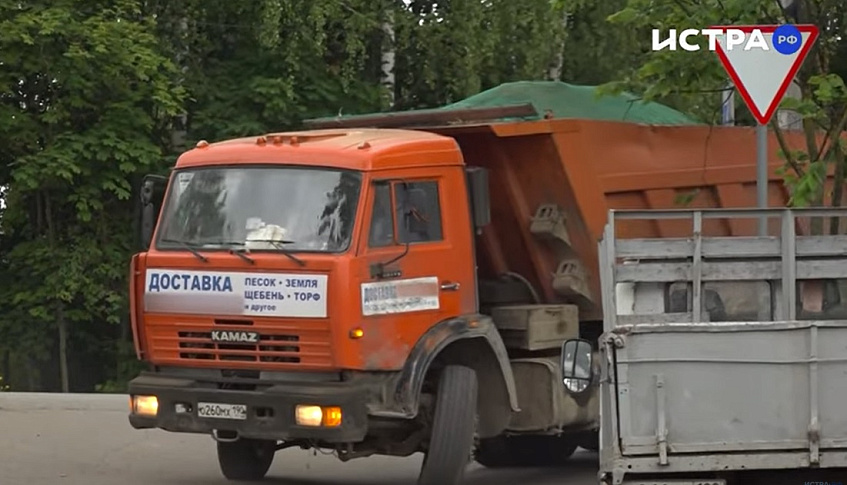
(270, 412)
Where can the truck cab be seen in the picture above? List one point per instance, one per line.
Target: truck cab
(311, 289)
(322, 235)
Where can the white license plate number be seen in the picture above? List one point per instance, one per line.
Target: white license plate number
(221, 411)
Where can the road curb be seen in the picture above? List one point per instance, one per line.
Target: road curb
(45, 401)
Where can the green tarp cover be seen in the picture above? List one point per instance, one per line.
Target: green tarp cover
(567, 101)
(572, 101)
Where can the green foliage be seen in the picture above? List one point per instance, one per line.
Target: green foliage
(825, 96)
(446, 51)
(597, 49)
(84, 89)
(96, 93)
(686, 198)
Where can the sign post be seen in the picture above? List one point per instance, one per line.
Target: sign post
(762, 61)
(762, 174)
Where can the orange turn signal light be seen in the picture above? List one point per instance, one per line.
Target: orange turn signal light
(332, 417)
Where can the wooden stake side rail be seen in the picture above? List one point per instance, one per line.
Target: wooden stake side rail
(784, 259)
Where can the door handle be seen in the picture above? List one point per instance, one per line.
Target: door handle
(449, 286)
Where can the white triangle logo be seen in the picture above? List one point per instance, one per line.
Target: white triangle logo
(762, 76)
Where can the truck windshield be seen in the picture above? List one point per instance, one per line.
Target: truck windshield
(269, 208)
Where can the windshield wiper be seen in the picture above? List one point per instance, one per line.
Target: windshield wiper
(276, 244)
(236, 251)
(279, 245)
(240, 253)
(191, 247)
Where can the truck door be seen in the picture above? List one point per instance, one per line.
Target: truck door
(415, 274)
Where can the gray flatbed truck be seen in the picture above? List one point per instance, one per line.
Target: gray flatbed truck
(723, 358)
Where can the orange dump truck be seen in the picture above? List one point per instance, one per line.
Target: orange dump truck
(398, 290)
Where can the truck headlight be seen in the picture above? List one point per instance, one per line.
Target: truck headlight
(144, 405)
(315, 416)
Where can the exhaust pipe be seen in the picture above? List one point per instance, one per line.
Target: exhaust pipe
(225, 436)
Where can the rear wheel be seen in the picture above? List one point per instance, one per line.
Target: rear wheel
(246, 459)
(525, 451)
(453, 428)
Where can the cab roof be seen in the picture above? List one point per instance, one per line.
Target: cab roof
(365, 149)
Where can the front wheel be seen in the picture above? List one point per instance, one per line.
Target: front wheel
(246, 459)
(453, 428)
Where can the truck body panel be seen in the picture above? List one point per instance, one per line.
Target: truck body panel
(721, 354)
(690, 377)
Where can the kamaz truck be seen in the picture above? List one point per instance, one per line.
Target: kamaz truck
(398, 283)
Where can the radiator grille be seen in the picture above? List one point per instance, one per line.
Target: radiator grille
(279, 348)
(282, 343)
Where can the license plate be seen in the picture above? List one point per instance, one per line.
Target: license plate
(221, 411)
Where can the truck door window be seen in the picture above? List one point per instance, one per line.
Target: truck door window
(418, 211)
(382, 223)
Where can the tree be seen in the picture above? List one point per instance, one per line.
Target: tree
(254, 67)
(449, 50)
(595, 50)
(84, 94)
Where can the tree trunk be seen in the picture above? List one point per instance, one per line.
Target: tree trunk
(179, 134)
(810, 131)
(33, 384)
(555, 71)
(837, 182)
(59, 305)
(7, 367)
(63, 346)
(388, 53)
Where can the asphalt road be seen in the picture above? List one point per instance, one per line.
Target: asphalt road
(86, 440)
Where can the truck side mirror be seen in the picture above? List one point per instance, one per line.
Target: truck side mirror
(477, 181)
(152, 193)
(577, 366)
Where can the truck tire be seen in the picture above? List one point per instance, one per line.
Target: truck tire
(246, 459)
(525, 451)
(453, 428)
